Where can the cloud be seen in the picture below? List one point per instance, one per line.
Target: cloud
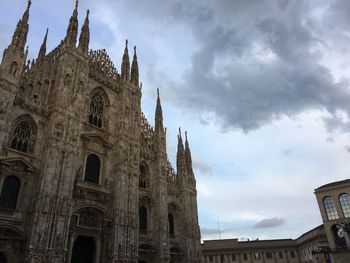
(201, 166)
(270, 222)
(252, 62)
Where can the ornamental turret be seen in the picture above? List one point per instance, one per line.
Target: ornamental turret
(125, 68)
(84, 38)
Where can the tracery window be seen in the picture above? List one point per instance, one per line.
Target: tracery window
(345, 204)
(96, 110)
(9, 192)
(144, 177)
(330, 208)
(92, 169)
(143, 219)
(21, 136)
(171, 224)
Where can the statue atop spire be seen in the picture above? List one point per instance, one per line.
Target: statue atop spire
(72, 30)
(42, 51)
(135, 69)
(125, 69)
(84, 38)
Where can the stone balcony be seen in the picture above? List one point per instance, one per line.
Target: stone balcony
(11, 214)
(91, 191)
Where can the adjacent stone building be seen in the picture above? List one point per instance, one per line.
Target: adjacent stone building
(83, 176)
(334, 203)
(327, 243)
(304, 249)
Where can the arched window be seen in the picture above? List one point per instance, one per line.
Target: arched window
(144, 177)
(92, 169)
(9, 192)
(345, 204)
(96, 110)
(20, 139)
(339, 238)
(330, 208)
(171, 224)
(143, 219)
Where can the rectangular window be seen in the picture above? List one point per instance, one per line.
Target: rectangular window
(233, 257)
(211, 258)
(292, 255)
(280, 254)
(222, 259)
(268, 255)
(245, 256)
(256, 256)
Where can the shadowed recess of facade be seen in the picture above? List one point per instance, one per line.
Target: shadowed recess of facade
(83, 176)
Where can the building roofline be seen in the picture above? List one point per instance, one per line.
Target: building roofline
(333, 184)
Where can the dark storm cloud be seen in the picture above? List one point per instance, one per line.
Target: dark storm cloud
(270, 222)
(256, 61)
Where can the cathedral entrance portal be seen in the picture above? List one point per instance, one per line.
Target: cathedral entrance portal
(83, 250)
(2, 258)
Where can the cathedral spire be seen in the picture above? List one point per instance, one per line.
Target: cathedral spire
(180, 155)
(72, 30)
(19, 37)
(135, 69)
(125, 70)
(188, 157)
(42, 51)
(159, 115)
(84, 38)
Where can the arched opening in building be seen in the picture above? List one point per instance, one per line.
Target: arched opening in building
(83, 250)
(339, 238)
(171, 224)
(92, 169)
(2, 258)
(143, 219)
(9, 192)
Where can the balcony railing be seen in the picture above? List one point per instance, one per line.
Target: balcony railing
(10, 213)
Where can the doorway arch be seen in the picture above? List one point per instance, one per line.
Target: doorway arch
(83, 250)
(2, 258)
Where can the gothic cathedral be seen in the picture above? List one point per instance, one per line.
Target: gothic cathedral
(84, 178)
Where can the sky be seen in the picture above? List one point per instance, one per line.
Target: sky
(261, 86)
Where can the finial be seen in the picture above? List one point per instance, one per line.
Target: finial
(76, 4)
(87, 13)
(135, 50)
(157, 92)
(186, 135)
(29, 3)
(126, 43)
(180, 132)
